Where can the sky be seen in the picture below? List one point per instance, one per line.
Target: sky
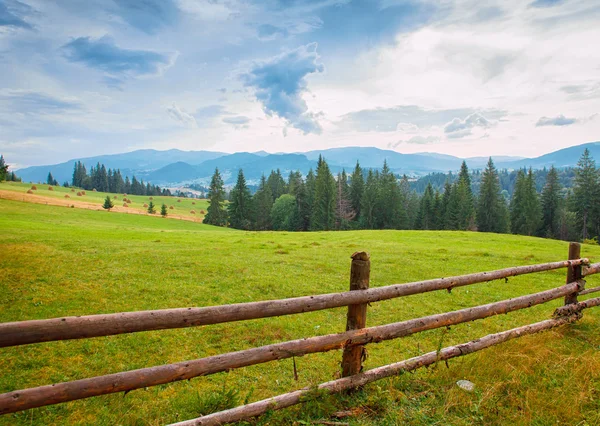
(460, 77)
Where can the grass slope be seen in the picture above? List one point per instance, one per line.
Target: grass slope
(56, 261)
(182, 207)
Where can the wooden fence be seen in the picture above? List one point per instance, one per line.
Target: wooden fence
(352, 341)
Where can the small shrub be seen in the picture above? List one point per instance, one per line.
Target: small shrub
(592, 241)
(33, 188)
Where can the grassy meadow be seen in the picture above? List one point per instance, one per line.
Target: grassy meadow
(182, 207)
(57, 261)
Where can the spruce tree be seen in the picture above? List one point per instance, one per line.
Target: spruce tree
(263, 202)
(492, 213)
(464, 203)
(357, 187)
(392, 213)
(240, 205)
(301, 219)
(163, 210)
(368, 205)
(151, 208)
(426, 218)
(584, 201)
(551, 204)
(343, 207)
(108, 204)
(3, 168)
(277, 184)
(517, 205)
(445, 206)
(216, 214)
(323, 217)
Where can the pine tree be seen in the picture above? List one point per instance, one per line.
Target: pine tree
(263, 202)
(551, 204)
(323, 217)
(163, 210)
(585, 194)
(240, 206)
(216, 213)
(151, 208)
(492, 213)
(357, 188)
(3, 168)
(108, 204)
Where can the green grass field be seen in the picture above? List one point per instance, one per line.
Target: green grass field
(181, 206)
(56, 261)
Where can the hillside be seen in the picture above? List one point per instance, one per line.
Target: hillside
(175, 167)
(72, 262)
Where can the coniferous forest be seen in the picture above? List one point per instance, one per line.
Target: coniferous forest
(378, 199)
(109, 180)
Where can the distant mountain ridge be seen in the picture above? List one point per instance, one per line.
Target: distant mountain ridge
(176, 168)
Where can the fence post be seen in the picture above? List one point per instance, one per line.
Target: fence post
(573, 272)
(357, 314)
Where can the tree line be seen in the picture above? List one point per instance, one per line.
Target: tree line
(378, 199)
(109, 180)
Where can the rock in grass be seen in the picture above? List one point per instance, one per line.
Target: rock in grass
(466, 385)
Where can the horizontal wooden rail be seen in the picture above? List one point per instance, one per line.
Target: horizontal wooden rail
(589, 291)
(577, 307)
(292, 398)
(135, 379)
(594, 268)
(79, 327)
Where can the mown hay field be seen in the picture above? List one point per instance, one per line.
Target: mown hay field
(57, 261)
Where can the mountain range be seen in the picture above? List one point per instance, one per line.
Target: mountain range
(173, 168)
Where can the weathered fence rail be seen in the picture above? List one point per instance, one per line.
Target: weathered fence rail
(352, 341)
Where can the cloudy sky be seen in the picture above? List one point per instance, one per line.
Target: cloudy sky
(468, 78)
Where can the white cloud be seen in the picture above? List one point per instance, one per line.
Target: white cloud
(181, 116)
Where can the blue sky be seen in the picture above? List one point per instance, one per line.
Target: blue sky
(460, 77)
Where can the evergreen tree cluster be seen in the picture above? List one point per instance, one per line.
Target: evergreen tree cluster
(110, 180)
(377, 199)
(5, 174)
